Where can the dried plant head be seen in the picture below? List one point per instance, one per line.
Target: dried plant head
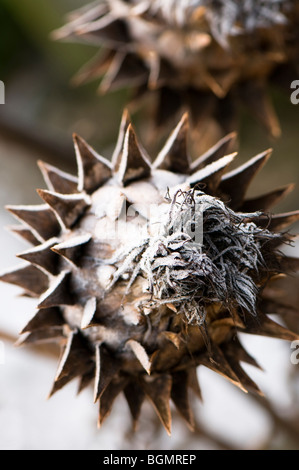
(209, 57)
(144, 270)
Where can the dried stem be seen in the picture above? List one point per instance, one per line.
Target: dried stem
(284, 424)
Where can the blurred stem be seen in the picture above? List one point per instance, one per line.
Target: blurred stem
(200, 431)
(284, 424)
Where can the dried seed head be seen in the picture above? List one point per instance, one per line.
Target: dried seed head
(206, 56)
(144, 271)
(201, 253)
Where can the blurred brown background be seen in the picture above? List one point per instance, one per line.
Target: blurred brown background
(42, 111)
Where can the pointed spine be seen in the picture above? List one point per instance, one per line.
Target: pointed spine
(126, 69)
(107, 368)
(174, 338)
(235, 183)
(278, 222)
(219, 150)
(67, 207)
(108, 29)
(117, 154)
(44, 319)
(106, 401)
(72, 248)
(93, 170)
(174, 155)
(210, 176)
(29, 277)
(242, 355)
(89, 313)
(193, 382)
(134, 164)
(266, 201)
(161, 71)
(77, 18)
(140, 354)
(46, 335)
(59, 292)
(86, 379)
(179, 395)
(57, 180)
(267, 327)
(25, 233)
(135, 397)
(256, 99)
(234, 363)
(95, 68)
(158, 390)
(43, 257)
(40, 218)
(74, 361)
(216, 361)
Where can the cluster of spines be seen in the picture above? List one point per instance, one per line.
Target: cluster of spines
(120, 65)
(66, 199)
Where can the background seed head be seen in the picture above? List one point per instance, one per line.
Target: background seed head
(207, 56)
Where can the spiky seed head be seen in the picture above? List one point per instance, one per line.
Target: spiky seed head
(207, 56)
(143, 271)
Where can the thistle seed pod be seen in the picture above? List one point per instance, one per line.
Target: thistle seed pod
(144, 271)
(206, 56)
